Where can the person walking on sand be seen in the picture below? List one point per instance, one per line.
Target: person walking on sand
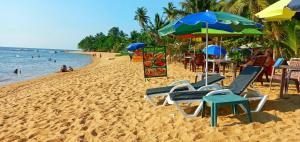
(130, 56)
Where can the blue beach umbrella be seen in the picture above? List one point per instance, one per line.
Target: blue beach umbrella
(217, 20)
(135, 46)
(214, 50)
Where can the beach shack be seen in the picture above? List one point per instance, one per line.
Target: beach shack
(136, 51)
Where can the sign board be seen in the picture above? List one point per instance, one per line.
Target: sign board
(154, 61)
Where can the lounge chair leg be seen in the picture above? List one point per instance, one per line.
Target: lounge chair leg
(297, 86)
(165, 102)
(243, 108)
(261, 104)
(197, 111)
(150, 100)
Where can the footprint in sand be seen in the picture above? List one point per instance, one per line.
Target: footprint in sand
(84, 128)
(81, 138)
(82, 121)
(64, 131)
(94, 133)
(33, 135)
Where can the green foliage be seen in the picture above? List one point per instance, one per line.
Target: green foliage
(284, 36)
(115, 41)
(236, 56)
(290, 44)
(141, 16)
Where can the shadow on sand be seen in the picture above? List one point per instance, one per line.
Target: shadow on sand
(289, 104)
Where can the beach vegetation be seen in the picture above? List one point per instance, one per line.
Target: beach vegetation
(283, 37)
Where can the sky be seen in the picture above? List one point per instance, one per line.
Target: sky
(61, 24)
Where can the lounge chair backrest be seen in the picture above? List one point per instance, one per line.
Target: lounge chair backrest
(210, 80)
(278, 63)
(246, 77)
(295, 63)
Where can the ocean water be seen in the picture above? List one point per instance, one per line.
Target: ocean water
(35, 62)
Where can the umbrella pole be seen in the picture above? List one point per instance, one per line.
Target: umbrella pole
(220, 49)
(206, 62)
(190, 44)
(194, 49)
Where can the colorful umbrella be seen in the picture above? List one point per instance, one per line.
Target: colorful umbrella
(217, 20)
(281, 10)
(198, 31)
(135, 46)
(214, 50)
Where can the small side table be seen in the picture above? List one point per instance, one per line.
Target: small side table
(217, 100)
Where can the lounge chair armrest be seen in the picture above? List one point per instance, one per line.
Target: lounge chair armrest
(223, 91)
(210, 87)
(189, 86)
(251, 92)
(179, 82)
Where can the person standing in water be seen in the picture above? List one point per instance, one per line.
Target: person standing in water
(18, 71)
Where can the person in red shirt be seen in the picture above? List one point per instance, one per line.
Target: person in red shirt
(269, 62)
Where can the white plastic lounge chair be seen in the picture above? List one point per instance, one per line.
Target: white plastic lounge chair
(182, 85)
(240, 86)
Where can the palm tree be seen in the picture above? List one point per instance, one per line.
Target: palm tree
(221, 5)
(291, 39)
(141, 17)
(171, 11)
(193, 6)
(158, 23)
(247, 8)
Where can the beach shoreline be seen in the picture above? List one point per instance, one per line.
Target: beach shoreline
(53, 73)
(104, 101)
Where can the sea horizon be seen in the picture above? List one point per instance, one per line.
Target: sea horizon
(40, 48)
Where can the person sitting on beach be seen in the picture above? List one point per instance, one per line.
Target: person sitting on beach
(70, 68)
(268, 63)
(64, 68)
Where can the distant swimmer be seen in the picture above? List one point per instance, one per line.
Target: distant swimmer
(32, 57)
(54, 61)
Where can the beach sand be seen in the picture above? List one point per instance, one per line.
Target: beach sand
(104, 101)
